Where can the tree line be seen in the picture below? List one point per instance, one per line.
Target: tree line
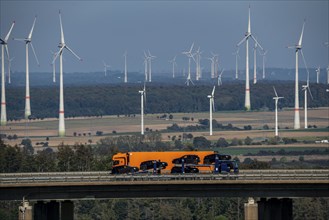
(99, 100)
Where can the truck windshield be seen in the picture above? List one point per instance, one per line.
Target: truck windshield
(115, 162)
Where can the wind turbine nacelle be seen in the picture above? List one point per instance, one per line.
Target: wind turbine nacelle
(209, 96)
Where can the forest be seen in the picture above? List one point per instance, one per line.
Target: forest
(99, 100)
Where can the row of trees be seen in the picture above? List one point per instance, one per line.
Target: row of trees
(124, 100)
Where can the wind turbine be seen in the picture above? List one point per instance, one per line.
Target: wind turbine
(276, 98)
(28, 41)
(216, 65)
(305, 88)
(317, 75)
(211, 108)
(9, 69)
(150, 58)
(145, 66)
(197, 60)
(105, 67)
(62, 45)
(255, 63)
(189, 55)
(263, 55)
(173, 61)
(126, 76)
(219, 79)
(297, 48)
(143, 99)
(236, 63)
(246, 39)
(4, 46)
(212, 65)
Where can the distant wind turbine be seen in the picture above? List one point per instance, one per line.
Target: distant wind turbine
(189, 55)
(197, 60)
(317, 75)
(211, 108)
(246, 39)
(219, 79)
(62, 45)
(105, 68)
(54, 66)
(276, 98)
(9, 69)
(173, 61)
(4, 46)
(264, 58)
(150, 58)
(297, 48)
(125, 73)
(28, 41)
(236, 63)
(143, 99)
(255, 63)
(306, 88)
(145, 66)
(212, 66)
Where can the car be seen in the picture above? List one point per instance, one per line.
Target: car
(188, 159)
(187, 169)
(211, 158)
(149, 164)
(124, 169)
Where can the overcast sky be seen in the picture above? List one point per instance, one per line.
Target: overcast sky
(103, 30)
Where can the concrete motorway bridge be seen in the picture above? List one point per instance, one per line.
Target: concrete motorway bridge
(68, 186)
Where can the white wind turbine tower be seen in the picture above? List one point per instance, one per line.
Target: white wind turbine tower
(28, 41)
(246, 39)
(189, 55)
(216, 65)
(150, 58)
(62, 45)
(4, 46)
(255, 63)
(126, 74)
(263, 55)
(276, 98)
(143, 99)
(306, 88)
(211, 108)
(173, 61)
(236, 63)
(105, 68)
(219, 78)
(297, 48)
(317, 75)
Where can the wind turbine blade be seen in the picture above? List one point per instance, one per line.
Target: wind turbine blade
(249, 26)
(62, 32)
(7, 51)
(19, 39)
(8, 34)
(69, 49)
(190, 51)
(309, 90)
(308, 73)
(213, 103)
(30, 35)
(35, 55)
(57, 54)
(258, 44)
(276, 94)
(213, 91)
(301, 35)
(243, 40)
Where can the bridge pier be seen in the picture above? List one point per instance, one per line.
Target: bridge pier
(275, 209)
(54, 210)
